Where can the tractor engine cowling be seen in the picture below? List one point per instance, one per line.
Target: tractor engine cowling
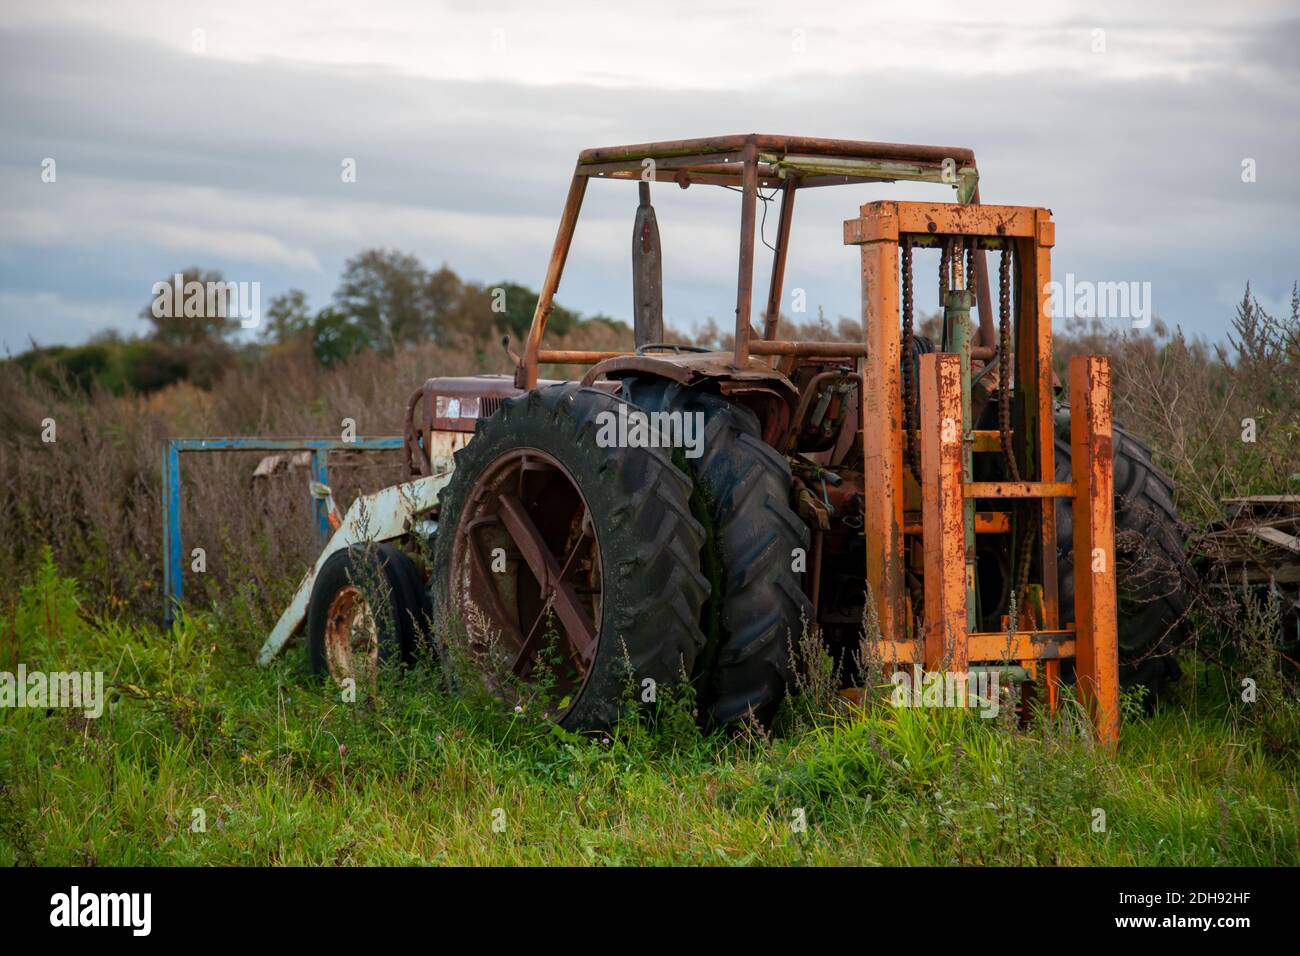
(443, 414)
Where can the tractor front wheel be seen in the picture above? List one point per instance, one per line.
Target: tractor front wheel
(365, 608)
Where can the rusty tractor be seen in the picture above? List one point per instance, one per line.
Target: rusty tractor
(929, 505)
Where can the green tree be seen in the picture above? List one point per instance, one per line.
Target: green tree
(336, 337)
(385, 294)
(287, 317)
(443, 293)
(519, 303)
(184, 313)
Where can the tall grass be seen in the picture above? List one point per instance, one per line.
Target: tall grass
(204, 758)
(94, 493)
(284, 772)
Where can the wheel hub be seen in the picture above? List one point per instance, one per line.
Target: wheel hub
(526, 564)
(351, 636)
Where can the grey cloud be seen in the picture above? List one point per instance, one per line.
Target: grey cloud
(1143, 174)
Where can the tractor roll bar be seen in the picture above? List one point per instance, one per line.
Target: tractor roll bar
(748, 162)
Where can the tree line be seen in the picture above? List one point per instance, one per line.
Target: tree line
(385, 300)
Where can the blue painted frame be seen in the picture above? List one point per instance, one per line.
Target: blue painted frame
(173, 448)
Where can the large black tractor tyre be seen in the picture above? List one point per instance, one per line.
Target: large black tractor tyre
(360, 584)
(1151, 566)
(651, 588)
(757, 609)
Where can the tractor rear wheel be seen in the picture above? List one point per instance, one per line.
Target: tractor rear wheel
(1151, 564)
(571, 569)
(757, 609)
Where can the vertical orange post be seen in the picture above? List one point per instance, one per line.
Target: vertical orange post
(943, 513)
(876, 232)
(1095, 602)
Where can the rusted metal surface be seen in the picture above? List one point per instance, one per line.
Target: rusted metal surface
(689, 368)
(647, 274)
(1258, 543)
(772, 316)
(889, 220)
(965, 232)
(984, 440)
(986, 522)
(413, 431)
(576, 356)
(525, 546)
(351, 637)
(526, 374)
(812, 145)
(1095, 601)
(745, 272)
(948, 565)
(550, 576)
(882, 435)
(808, 349)
(983, 300)
(748, 161)
(441, 416)
(958, 301)
(865, 501)
(1020, 489)
(811, 391)
(987, 647)
(1032, 415)
(386, 515)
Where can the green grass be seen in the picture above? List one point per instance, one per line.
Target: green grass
(286, 773)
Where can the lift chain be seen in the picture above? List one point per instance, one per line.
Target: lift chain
(1004, 363)
(943, 275)
(1020, 586)
(945, 282)
(909, 366)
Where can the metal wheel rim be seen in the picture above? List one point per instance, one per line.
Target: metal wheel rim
(351, 636)
(516, 624)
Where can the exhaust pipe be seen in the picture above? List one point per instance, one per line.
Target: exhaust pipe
(647, 275)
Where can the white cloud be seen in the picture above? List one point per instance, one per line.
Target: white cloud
(683, 44)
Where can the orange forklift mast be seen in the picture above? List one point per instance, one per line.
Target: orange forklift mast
(949, 493)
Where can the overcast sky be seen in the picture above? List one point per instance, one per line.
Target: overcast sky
(213, 134)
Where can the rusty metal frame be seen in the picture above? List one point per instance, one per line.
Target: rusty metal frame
(172, 448)
(749, 162)
(949, 574)
(948, 493)
(1095, 601)
(754, 161)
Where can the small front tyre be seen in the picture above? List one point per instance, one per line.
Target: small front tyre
(363, 612)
